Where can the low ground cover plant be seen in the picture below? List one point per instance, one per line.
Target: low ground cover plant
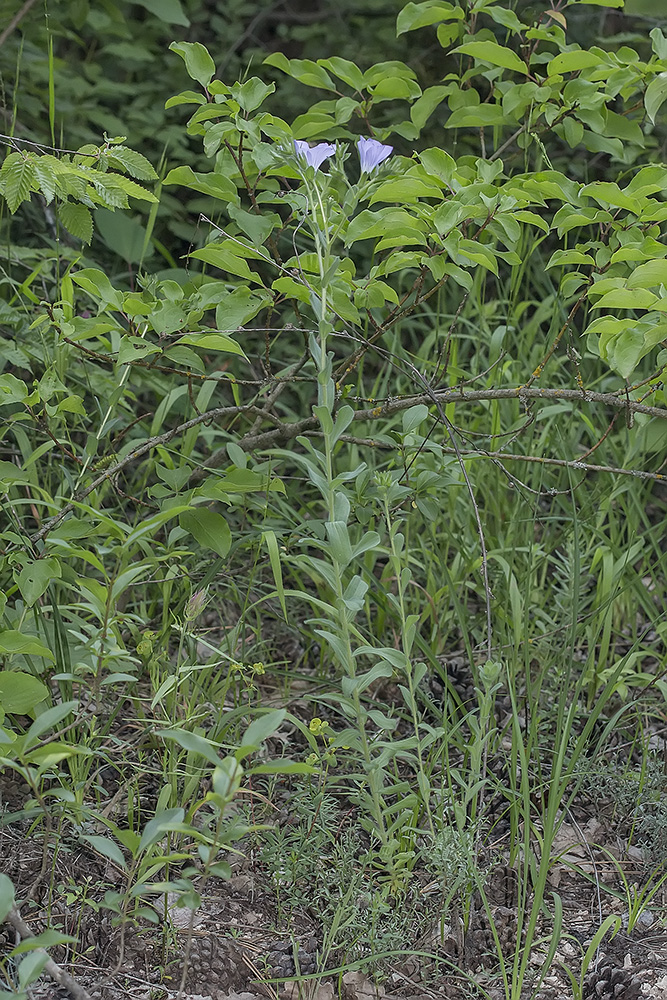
(333, 553)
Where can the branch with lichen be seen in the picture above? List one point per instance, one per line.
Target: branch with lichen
(279, 435)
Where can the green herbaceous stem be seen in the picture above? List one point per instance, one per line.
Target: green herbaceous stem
(408, 624)
(333, 492)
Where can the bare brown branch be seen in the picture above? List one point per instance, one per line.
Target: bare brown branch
(287, 432)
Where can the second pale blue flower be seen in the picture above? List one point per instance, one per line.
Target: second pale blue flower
(372, 153)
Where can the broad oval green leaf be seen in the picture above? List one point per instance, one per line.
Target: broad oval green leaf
(561, 257)
(262, 727)
(106, 847)
(215, 185)
(193, 744)
(34, 579)
(345, 70)
(609, 193)
(208, 528)
(197, 61)
(160, 826)
(20, 693)
(304, 70)
(212, 342)
(495, 54)
(478, 116)
(571, 62)
(648, 275)
(420, 15)
(624, 298)
(13, 642)
(169, 11)
(6, 896)
(230, 257)
(656, 95)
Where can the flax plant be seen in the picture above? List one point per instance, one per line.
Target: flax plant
(335, 622)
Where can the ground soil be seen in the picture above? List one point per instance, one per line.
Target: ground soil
(242, 945)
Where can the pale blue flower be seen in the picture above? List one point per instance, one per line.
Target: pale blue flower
(372, 153)
(314, 155)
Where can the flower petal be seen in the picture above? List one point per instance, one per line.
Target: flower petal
(372, 153)
(314, 155)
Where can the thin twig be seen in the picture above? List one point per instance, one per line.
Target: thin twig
(142, 449)
(18, 17)
(444, 396)
(54, 971)
(508, 456)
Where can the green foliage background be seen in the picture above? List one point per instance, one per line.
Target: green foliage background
(266, 427)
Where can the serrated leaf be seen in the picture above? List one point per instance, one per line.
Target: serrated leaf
(110, 194)
(77, 220)
(46, 168)
(135, 164)
(130, 187)
(16, 179)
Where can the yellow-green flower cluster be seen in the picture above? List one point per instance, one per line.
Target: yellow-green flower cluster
(326, 757)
